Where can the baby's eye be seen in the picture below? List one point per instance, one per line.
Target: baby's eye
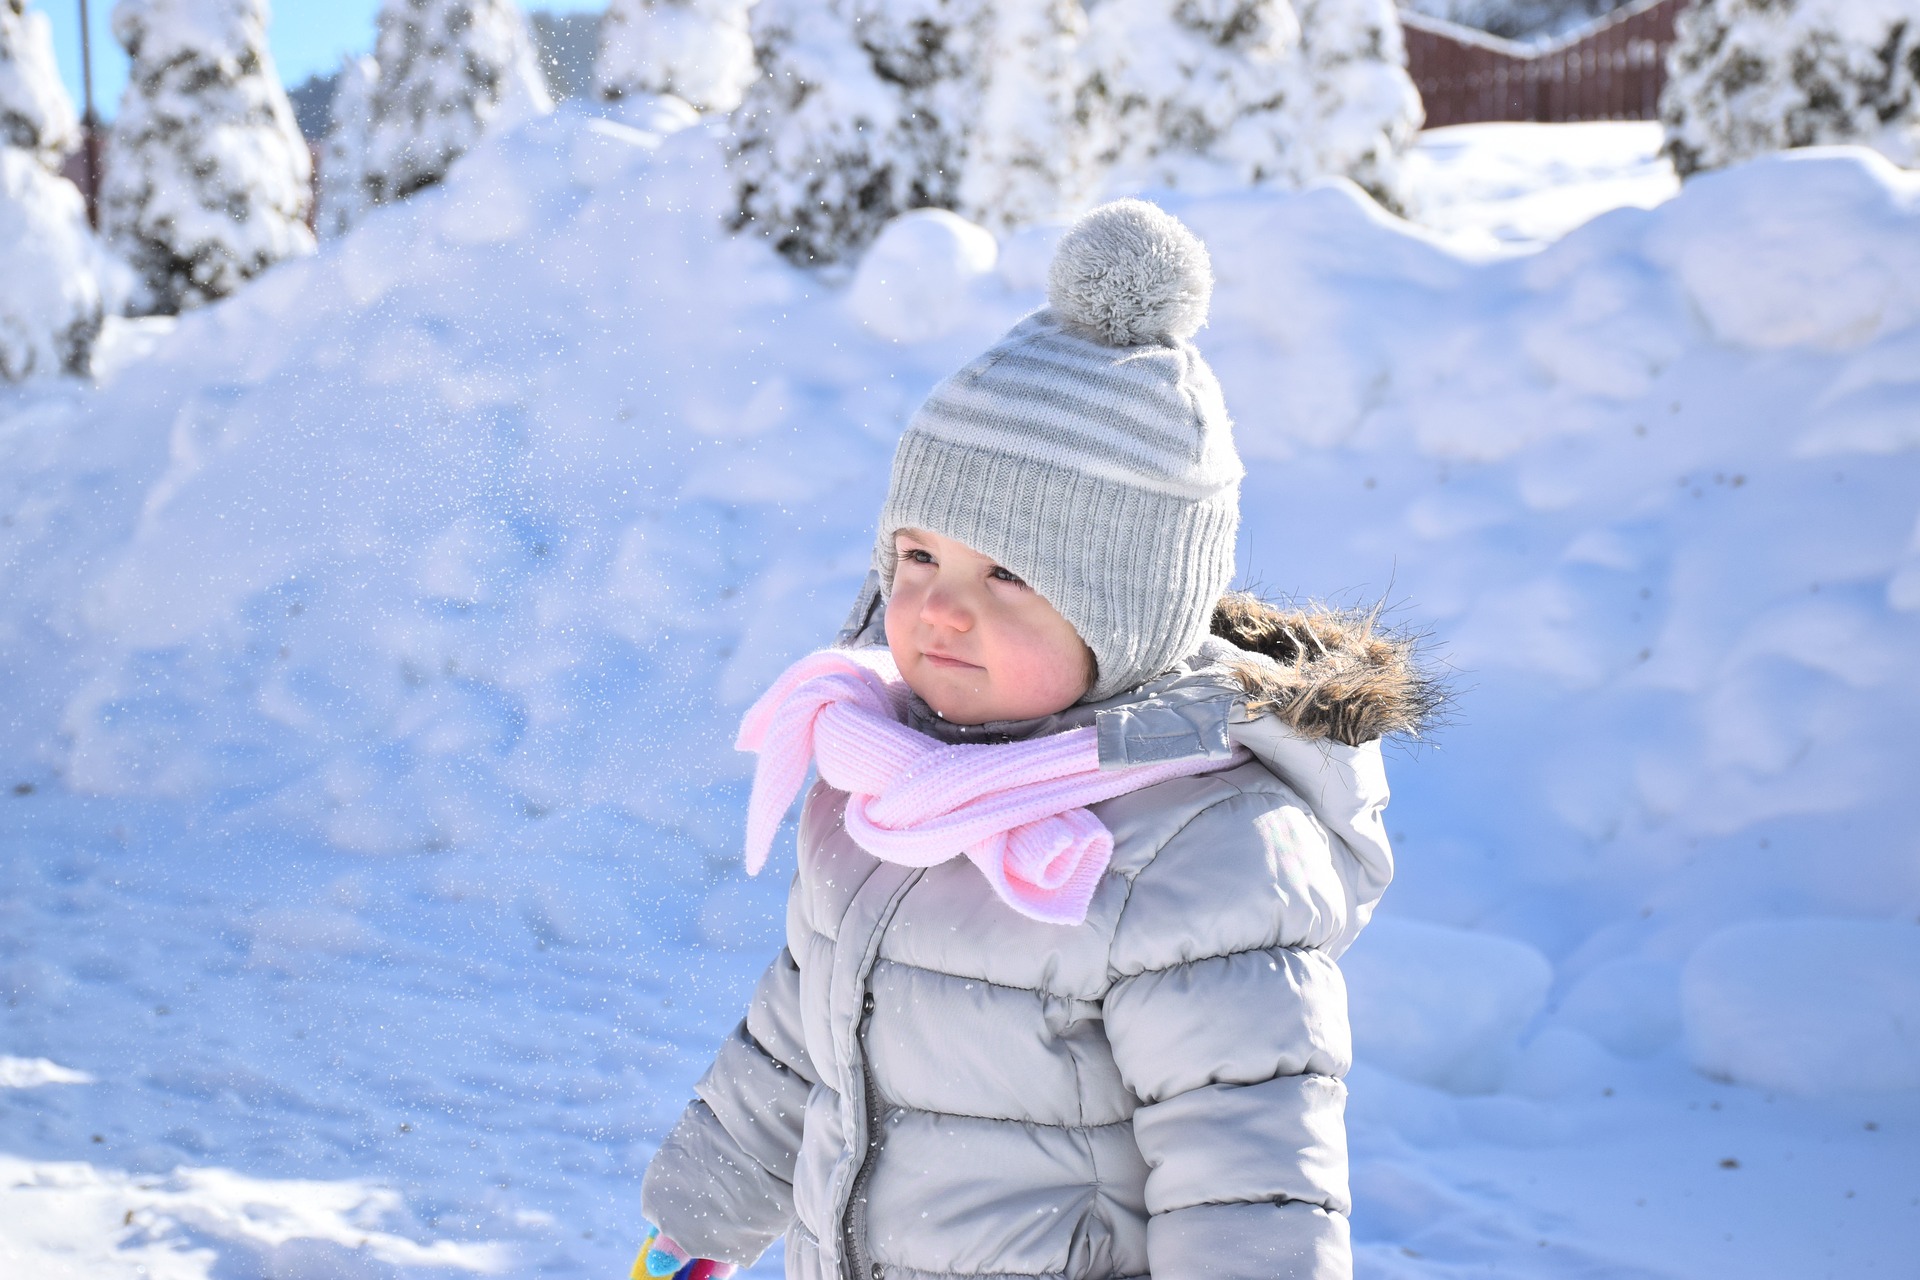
(999, 574)
(915, 555)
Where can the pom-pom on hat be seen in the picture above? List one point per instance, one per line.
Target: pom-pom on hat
(1089, 450)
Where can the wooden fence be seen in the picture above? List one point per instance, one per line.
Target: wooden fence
(1613, 70)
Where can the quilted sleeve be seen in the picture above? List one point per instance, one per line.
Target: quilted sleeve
(722, 1183)
(1229, 1021)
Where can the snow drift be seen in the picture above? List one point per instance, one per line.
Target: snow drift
(448, 557)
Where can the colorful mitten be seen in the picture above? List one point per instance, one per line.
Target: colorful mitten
(661, 1257)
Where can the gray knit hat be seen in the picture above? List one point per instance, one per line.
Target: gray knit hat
(1089, 450)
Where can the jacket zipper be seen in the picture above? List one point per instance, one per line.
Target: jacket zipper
(854, 1229)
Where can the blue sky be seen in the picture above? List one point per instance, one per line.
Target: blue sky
(308, 36)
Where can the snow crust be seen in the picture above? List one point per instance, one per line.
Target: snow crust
(374, 644)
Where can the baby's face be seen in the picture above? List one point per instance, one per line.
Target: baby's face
(974, 641)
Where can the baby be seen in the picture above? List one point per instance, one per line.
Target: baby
(1059, 996)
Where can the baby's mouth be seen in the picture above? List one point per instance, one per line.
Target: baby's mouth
(950, 662)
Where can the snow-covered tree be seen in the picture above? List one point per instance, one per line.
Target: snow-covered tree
(1750, 76)
(35, 114)
(343, 157)
(1030, 156)
(1361, 111)
(699, 50)
(1200, 93)
(207, 176)
(51, 270)
(450, 70)
(50, 266)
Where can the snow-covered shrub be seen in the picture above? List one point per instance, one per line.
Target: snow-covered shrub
(864, 109)
(699, 50)
(1750, 76)
(50, 297)
(1029, 153)
(1189, 90)
(450, 70)
(813, 146)
(35, 114)
(343, 156)
(1200, 93)
(207, 176)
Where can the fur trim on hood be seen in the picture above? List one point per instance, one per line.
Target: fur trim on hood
(1328, 673)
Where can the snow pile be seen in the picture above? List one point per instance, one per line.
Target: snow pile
(697, 50)
(1808, 1006)
(374, 648)
(206, 176)
(1751, 76)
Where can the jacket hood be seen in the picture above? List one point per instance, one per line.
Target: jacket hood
(1326, 673)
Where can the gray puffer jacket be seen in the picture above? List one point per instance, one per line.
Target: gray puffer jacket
(928, 1084)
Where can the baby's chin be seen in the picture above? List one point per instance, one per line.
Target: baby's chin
(969, 698)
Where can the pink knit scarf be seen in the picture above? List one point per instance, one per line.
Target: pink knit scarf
(1016, 809)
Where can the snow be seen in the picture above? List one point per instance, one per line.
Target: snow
(1808, 1006)
(72, 1220)
(374, 639)
(1521, 186)
(31, 1073)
